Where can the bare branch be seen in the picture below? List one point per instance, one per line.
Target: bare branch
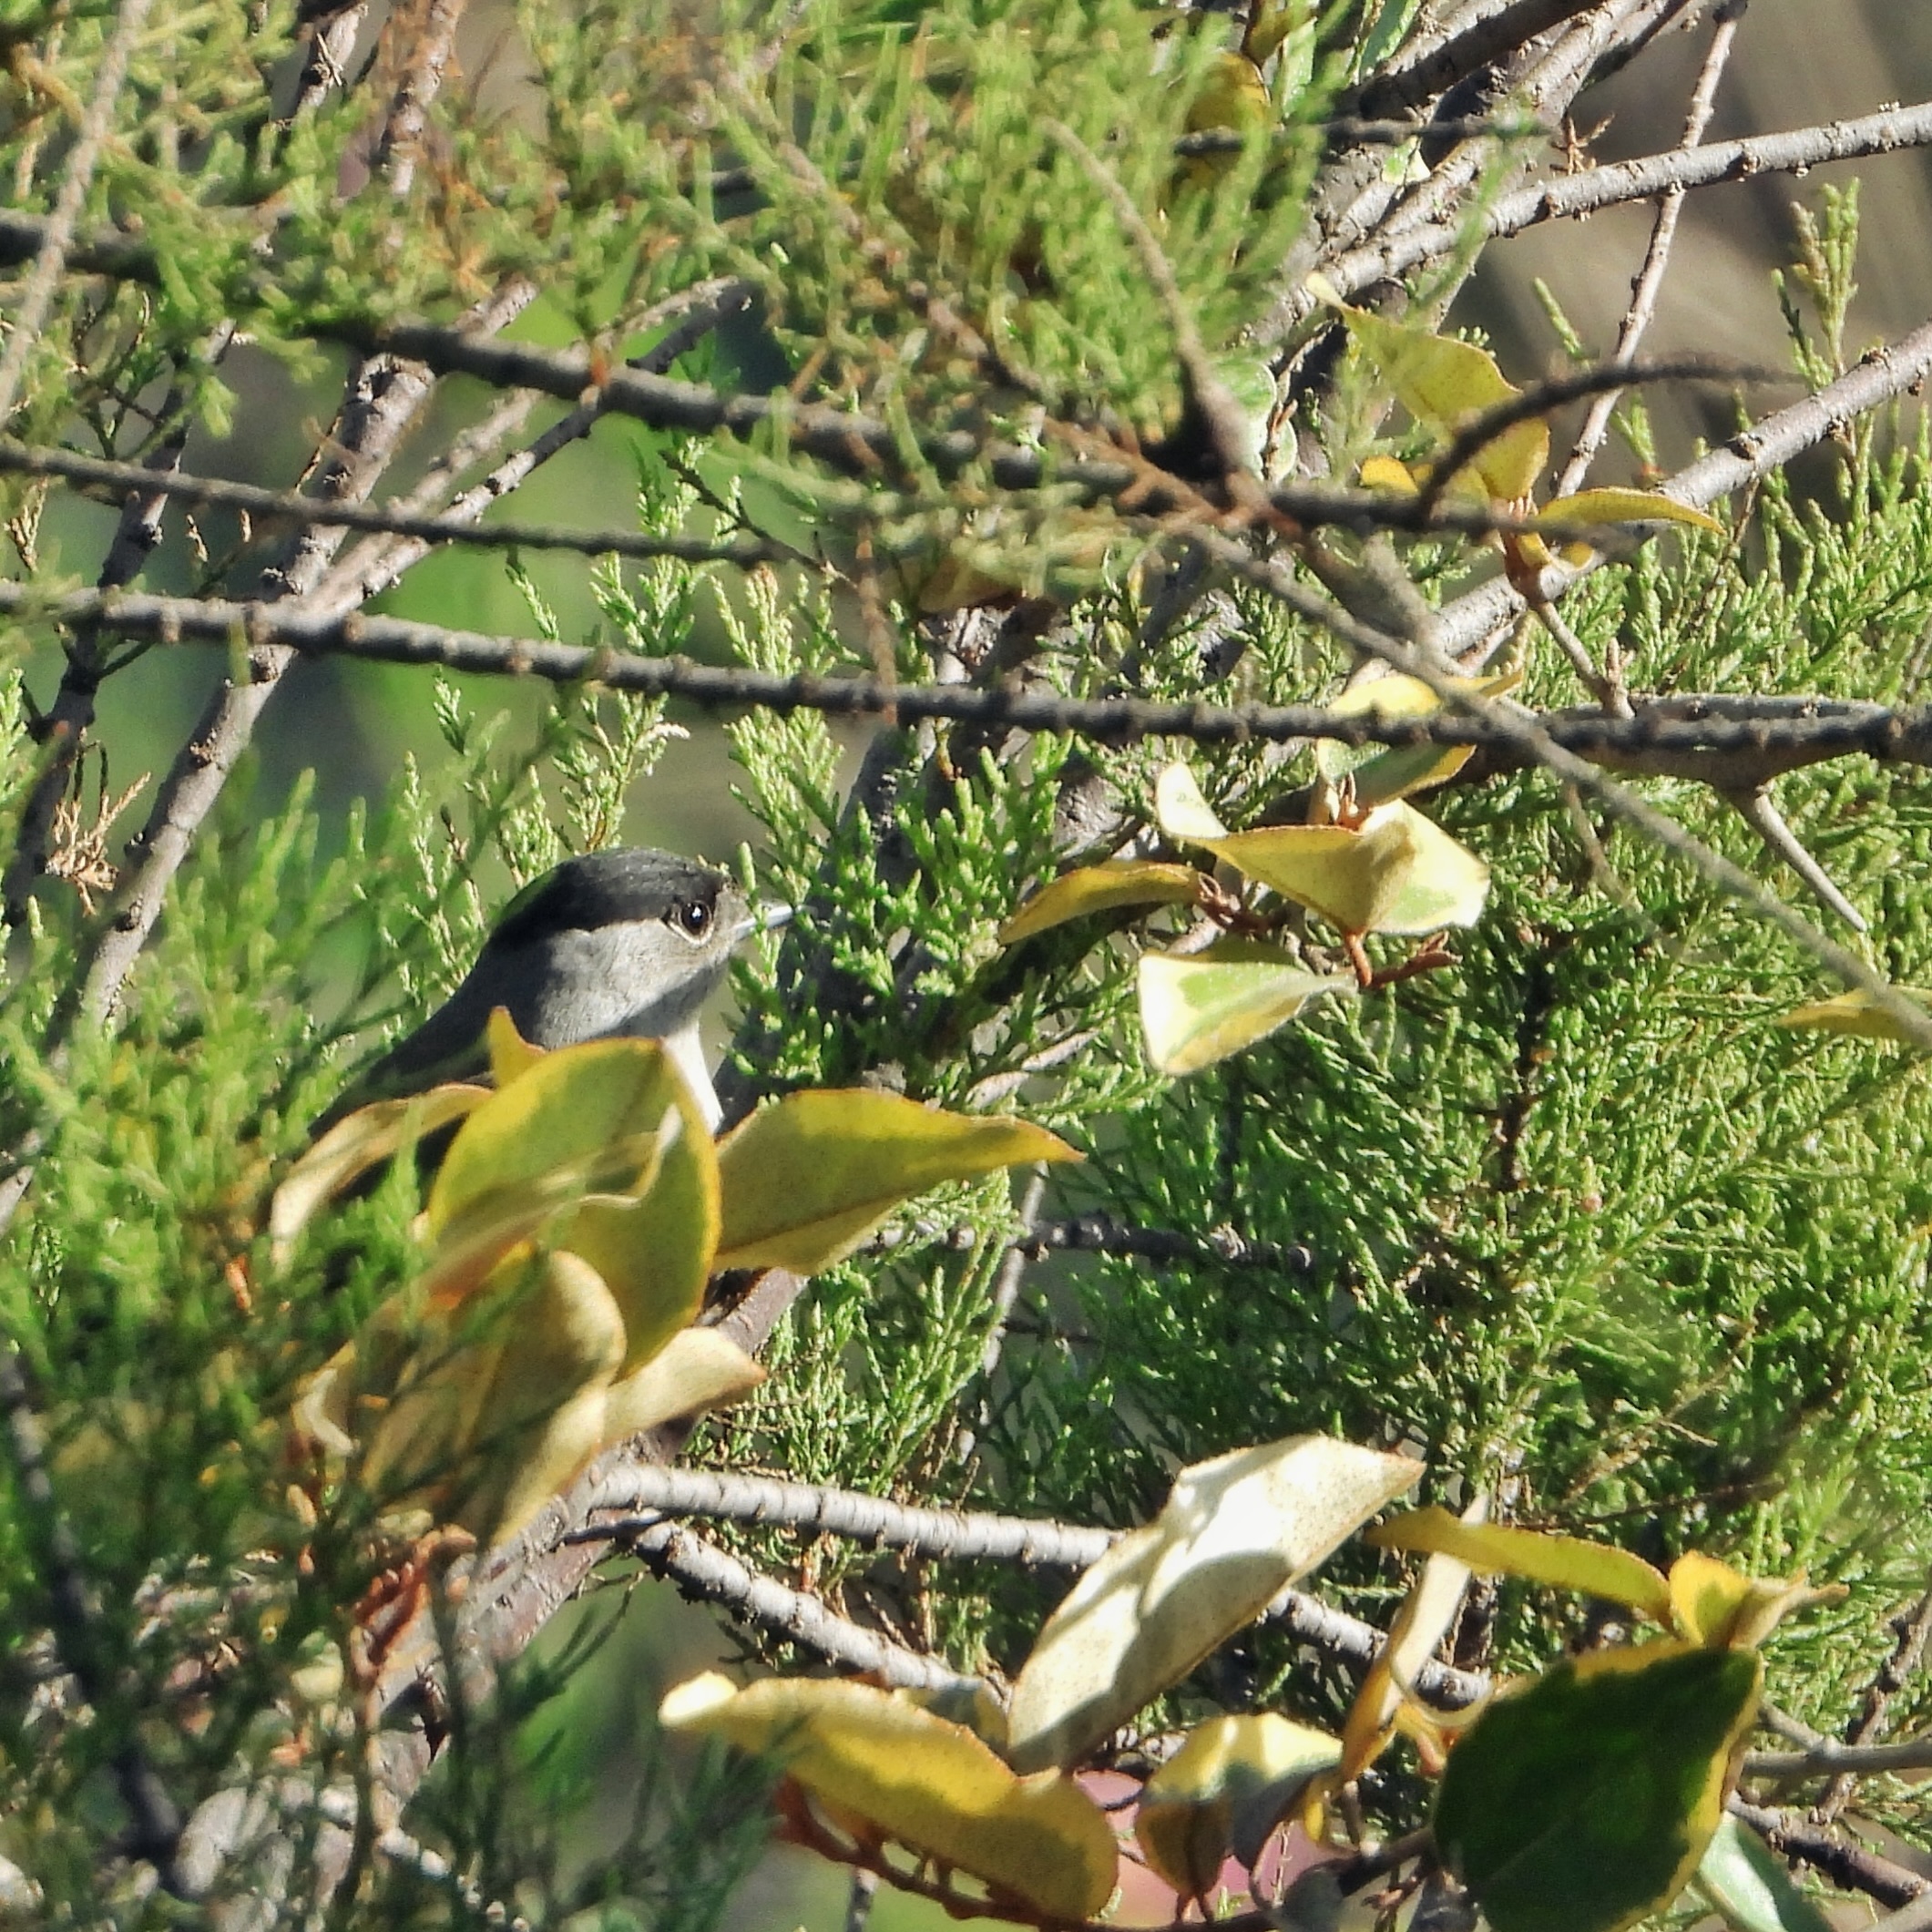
(703, 1570)
(953, 1534)
(1723, 740)
(1842, 1861)
(1568, 196)
(1829, 1756)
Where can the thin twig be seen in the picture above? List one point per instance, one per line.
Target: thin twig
(1882, 376)
(51, 259)
(1538, 747)
(1912, 1629)
(1648, 284)
(455, 525)
(1846, 1761)
(1760, 811)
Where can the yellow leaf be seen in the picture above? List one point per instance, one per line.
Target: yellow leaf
(1101, 888)
(1199, 1007)
(1235, 1532)
(1181, 811)
(1223, 1792)
(696, 1369)
(472, 1413)
(807, 1180)
(655, 1248)
(511, 1055)
(591, 1118)
(1384, 472)
(1717, 1606)
(1234, 95)
(1613, 505)
(1856, 1014)
(356, 1143)
(1398, 873)
(1598, 1569)
(919, 1780)
(1425, 1619)
(1446, 385)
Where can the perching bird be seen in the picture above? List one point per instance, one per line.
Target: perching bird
(614, 943)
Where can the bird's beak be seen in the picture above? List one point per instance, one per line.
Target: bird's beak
(775, 916)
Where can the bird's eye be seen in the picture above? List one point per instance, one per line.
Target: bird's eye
(693, 918)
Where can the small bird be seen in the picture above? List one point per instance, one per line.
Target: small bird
(627, 943)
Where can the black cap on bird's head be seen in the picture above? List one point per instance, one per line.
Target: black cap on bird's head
(613, 943)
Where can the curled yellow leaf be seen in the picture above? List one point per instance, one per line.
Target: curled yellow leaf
(1200, 1007)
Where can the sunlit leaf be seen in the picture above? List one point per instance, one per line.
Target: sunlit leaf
(1235, 1531)
(1598, 1569)
(591, 1118)
(356, 1143)
(807, 1180)
(1427, 1615)
(1181, 811)
(1585, 1802)
(1712, 1603)
(1615, 505)
(697, 1369)
(920, 1781)
(1856, 1014)
(1199, 1007)
(1445, 386)
(1100, 889)
(1399, 872)
(1750, 1887)
(1223, 1792)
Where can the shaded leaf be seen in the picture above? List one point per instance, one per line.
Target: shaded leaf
(1235, 1531)
(1749, 1883)
(1382, 773)
(1598, 1569)
(655, 1249)
(1585, 1802)
(356, 1143)
(918, 1780)
(1199, 1007)
(1223, 1792)
(807, 1180)
(1102, 888)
